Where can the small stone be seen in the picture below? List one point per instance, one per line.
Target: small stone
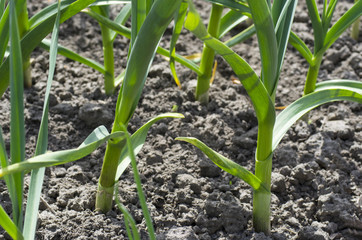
(278, 183)
(285, 170)
(333, 55)
(65, 96)
(154, 157)
(338, 128)
(212, 208)
(244, 142)
(59, 172)
(76, 173)
(356, 152)
(312, 233)
(180, 233)
(303, 173)
(52, 100)
(94, 114)
(209, 169)
(63, 108)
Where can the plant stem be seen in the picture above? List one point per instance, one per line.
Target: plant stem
(261, 199)
(207, 58)
(355, 28)
(263, 169)
(312, 75)
(106, 182)
(108, 54)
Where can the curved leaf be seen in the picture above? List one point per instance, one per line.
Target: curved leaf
(92, 142)
(9, 226)
(301, 47)
(343, 23)
(284, 14)
(37, 175)
(325, 92)
(141, 57)
(45, 44)
(316, 25)
(226, 164)
(234, 4)
(230, 20)
(122, 18)
(240, 37)
(179, 22)
(268, 45)
(37, 34)
(263, 105)
(48, 12)
(141, 195)
(138, 139)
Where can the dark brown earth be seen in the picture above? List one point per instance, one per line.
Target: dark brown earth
(317, 169)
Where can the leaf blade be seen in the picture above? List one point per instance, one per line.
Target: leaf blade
(327, 91)
(226, 164)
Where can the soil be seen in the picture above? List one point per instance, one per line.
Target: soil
(317, 169)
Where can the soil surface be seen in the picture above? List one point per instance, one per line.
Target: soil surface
(317, 169)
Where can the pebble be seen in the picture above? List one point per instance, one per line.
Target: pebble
(180, 233)
(95, 114)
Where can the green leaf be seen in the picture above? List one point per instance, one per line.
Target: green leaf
(9, 180)
(2, 7)
(242, 36)
(37, 175)
(230, 20)
(268, 45)
(301, 47)
(99, 136)
(48, 12)
(109, 2)
(141, 57)
(121, 30)
(118, 28)
(327, 16)
(45, 44)
(283, 14)
(122, 18)
(226, 164)
(38, 33)
(141, 195)
(342, 24)
(128, 219)
(327, 91)
(9, 226)
(316, 25)
(138, 16)
(17, 129)
(263, 105)
(179, 22)
(4, 32)
(235, 5)
(138, 139)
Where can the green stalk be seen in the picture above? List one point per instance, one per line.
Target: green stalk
(208, 55)
(139, 61)
(108, 54)
(355, 28)
(312, 75)
(109, 169)
(263, 169)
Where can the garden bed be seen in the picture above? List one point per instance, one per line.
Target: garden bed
(317, 169)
